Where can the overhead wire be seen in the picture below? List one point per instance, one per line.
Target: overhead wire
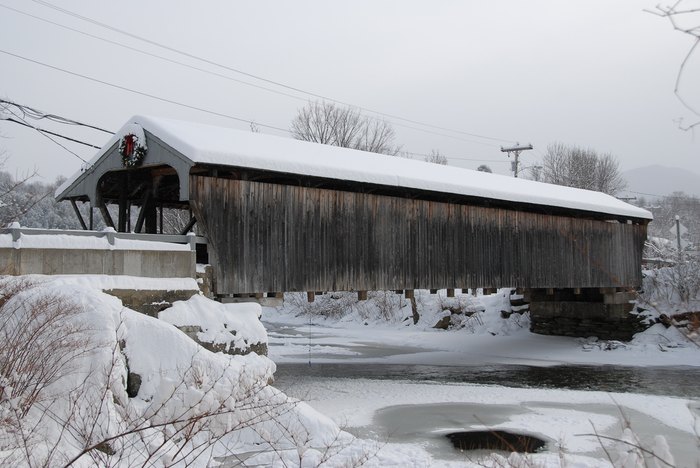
(43, 130)
(170, 101)
(226, 77)
(45, 135)
(39, 115)
(142, 93)
(33, 113)
(455, 157)
(150, 54)
(260, 78)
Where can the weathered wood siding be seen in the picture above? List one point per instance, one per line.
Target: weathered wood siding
(271, 237)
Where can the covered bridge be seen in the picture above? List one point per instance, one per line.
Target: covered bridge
(288, 215)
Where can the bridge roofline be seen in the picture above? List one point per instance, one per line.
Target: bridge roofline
(196, 144)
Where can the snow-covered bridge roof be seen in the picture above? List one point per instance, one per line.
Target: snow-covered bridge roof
(206, 144)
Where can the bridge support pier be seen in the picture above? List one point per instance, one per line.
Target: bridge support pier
(583, 312)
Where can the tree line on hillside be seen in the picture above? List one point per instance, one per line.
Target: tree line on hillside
(665, 210)
(32, 204)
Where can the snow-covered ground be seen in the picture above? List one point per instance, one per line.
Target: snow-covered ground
(86, 381)
(420, 413)
(188, 401)
(483, 338)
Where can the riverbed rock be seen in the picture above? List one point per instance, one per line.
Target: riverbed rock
(444, 322)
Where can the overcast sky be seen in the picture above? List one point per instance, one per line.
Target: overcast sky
(594, 73)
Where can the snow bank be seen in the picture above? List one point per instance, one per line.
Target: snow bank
(138, 391)
(231, 325)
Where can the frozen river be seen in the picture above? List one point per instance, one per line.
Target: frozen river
(420, 405)
(378, 386)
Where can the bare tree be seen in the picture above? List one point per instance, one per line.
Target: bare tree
(535, 173)
(15, 201)
(583, 168)
(685, 19)
(665, 210)
(436, 157)
(484, 168)
(331, 124)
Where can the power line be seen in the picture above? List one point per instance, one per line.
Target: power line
(226, 77)
(257, 77)
(39, 115)
(30, 111)
(497, 161)
(141, 93)
(43, 130)
(33, 112)
(150, 54)
(456, 158)
(45, 135)
(647, 194)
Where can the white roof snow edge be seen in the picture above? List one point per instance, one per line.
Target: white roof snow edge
(225, 146)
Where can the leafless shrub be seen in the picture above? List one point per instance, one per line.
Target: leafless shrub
(461, 304)
(679, 284)
(330, 305)
(40, 340)
(382, 305)
(387, 304)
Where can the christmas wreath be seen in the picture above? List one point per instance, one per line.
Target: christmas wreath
(132, 149)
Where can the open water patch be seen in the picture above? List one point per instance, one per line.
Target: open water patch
(681, 381)
(496, 440)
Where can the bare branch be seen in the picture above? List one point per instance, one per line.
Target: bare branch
(331, 124)
(672, 12)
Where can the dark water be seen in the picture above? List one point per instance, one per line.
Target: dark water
(681, 381)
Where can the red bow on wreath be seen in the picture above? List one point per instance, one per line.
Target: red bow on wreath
(132, 150)
(128, 145)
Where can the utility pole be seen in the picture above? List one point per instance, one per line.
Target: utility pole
(516, 153)
(678, 239)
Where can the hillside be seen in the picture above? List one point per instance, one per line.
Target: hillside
(661, 180)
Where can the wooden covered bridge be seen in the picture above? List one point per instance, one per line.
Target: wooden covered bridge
(287, 215)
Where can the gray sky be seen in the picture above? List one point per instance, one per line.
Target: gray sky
(594, 73)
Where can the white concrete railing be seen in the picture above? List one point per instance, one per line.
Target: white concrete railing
(111, 235)
(26, 251)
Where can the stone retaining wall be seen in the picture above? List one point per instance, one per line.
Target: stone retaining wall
(150, 302)
(582, 319)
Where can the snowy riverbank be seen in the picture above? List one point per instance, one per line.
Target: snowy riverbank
(122, 388)
(483, 338)
(420, 413)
